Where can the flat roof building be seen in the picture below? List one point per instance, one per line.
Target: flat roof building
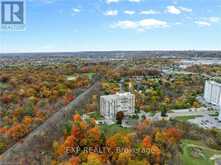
(212, 94)
(110, 105)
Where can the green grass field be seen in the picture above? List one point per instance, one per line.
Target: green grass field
(3, 85)
(109, 130)
(96, 115)
(74, 77)
(188, 159)
(186, 118)
(90, 75)
(214, 114)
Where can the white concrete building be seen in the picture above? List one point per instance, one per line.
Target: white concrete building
(110, 105)
(212, 94)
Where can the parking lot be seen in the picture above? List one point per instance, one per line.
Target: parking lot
(204, 118)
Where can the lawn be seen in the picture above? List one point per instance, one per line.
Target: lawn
(188, 159)
(214, 114)
(90, 75)
(110, 130)
(96, 115)
(74, 77)
(186, 118)
(3, 85)
(152, 113)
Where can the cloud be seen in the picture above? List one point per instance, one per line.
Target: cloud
(213, 19)
(149, 12)
(184, 9)
(125, 24)
(76, 10)
(177, 10)
(203, 23)
(178, 23)
(116, 1)
(129, 12)
(112, 1)
(140, 25)
(111, 13)
(137, 1)
(173, 10)
(207, 21)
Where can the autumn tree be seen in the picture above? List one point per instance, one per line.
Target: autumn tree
(163, 110)
(119, 117)
(147, 142)
(173, 135)
(74, 160)
(93, 159)
(124, 157)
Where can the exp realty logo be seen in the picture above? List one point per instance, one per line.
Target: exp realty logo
(12, 15)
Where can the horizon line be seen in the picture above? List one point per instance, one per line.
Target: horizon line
(88, 51)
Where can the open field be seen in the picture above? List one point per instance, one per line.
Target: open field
(186, 118)
(201, 158)
(110, 130)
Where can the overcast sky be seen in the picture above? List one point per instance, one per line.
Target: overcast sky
(87, 25)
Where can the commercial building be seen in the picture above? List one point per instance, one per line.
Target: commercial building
(110, 105)
(212, 94)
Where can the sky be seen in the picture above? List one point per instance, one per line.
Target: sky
(98, 25)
